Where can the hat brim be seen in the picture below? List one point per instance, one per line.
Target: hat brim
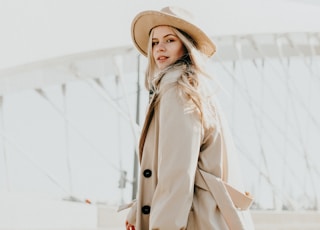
(147, 20)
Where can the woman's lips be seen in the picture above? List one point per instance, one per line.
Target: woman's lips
(162, 58)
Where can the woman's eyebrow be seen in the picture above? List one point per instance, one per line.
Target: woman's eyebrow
(166, 36)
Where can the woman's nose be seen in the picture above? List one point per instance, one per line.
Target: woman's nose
(160, 46)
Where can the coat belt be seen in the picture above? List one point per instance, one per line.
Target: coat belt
(222, 189)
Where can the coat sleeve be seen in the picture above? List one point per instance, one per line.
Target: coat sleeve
(179, 145)
(131, 216)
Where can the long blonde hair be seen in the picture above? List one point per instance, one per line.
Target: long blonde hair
(189, 84)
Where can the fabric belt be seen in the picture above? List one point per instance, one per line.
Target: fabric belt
(230, 201)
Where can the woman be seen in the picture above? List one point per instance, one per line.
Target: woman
(184, 150)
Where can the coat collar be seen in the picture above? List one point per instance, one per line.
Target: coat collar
(170, 76)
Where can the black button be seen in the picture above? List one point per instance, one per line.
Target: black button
(147, 173)
(145, 209)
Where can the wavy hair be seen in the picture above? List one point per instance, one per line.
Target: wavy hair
(191, 84)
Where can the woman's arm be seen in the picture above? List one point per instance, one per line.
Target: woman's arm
(179, 144)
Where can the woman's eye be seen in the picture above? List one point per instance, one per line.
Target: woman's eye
(155, 43)
(170, 40)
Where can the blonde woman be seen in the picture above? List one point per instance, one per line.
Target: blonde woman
(184, 149)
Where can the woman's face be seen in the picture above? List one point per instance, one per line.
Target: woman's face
(167, 48)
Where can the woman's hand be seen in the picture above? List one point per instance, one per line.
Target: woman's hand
(129, 226)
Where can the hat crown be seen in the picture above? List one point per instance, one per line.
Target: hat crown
(178, 12)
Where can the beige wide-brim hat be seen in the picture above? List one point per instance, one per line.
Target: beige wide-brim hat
(179, 18)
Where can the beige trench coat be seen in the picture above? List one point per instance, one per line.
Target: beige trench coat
(176, 145)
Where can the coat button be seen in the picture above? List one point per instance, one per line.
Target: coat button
(146, 209)
(147, 173)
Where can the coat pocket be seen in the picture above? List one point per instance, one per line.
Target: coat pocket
(131, 216)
